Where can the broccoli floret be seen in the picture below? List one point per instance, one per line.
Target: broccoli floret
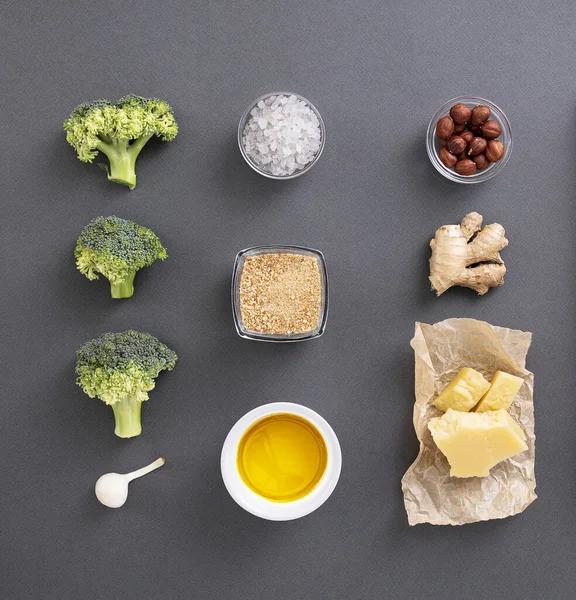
(120, 369)
(119, 130)
(117, 249)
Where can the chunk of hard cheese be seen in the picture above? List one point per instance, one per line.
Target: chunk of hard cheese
(463, 392)
(475, 442)
(501, 393)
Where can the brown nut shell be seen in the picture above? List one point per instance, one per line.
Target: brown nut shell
(459, 128)
(494, 150)
(480, 161)
(476, 146)
(465, 167)
(445, 128)
(456, 144)
(491, 130)
(448, 159)
(460, 113)
(480, 115)
(467, 135)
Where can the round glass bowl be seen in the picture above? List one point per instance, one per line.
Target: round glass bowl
(246, 116)
(433, 142)
(259, 336)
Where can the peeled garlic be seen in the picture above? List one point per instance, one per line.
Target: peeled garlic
(112, 488)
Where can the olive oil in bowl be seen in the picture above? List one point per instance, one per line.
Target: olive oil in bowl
(281, 461)
(282, 457)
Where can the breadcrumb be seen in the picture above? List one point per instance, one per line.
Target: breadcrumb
(280, 293)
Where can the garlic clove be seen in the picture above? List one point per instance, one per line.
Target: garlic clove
(112, 489)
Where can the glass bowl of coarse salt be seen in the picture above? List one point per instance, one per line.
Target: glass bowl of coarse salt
(280, 293)
(281, 135)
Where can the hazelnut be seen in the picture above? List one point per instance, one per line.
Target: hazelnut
(460, 113)
(480, 161)
(480, 115)
(465, 167)
(476, 146)
(467, 135)
(491, 130)
(445, 128)
(456, 144)
(442, 143)
(494, 150)
(462, 156)
(448, 159)
(459, 128)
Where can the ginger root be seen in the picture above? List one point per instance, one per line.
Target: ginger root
(467, 255)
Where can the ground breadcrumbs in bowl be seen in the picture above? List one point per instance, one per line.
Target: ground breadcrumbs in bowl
(281, 293)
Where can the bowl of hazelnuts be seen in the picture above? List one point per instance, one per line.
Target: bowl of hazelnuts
(469, 140)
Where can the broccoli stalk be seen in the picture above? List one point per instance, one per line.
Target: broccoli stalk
(119, 130)
(122, 156)
(120, 369)
(124, 289)
(127, 417)
(117, 249)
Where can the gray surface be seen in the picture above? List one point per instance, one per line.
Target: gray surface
(376, 73)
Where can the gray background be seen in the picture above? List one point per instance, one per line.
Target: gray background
(377, 71)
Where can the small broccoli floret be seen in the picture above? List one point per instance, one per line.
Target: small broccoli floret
(120, 369)
(117, 249)
(119, 130)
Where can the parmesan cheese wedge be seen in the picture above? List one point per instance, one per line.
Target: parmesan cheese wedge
(463, 392)
(502, 392)
(474, 442)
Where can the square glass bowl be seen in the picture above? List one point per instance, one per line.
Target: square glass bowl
(433, 142)
(273, 337)
(246, 116)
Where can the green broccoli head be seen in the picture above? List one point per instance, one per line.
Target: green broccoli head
(119, 130)
(120, 369)
(117, 249)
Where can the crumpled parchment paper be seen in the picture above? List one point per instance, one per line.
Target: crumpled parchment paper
(430, 494)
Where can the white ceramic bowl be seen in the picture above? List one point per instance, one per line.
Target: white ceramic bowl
(280, 511)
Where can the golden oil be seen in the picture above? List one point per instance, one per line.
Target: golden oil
(282, 457)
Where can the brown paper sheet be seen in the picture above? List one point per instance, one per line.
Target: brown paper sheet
(430, 494)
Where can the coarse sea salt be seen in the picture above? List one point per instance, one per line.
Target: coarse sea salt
(282, 135)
